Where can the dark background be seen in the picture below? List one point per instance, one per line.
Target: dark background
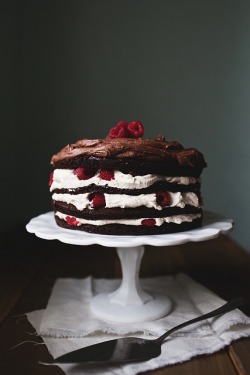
(72, 69)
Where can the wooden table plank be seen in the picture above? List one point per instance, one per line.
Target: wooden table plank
(19, 263)
(239, 353)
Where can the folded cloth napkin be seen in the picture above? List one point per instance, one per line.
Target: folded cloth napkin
(68, 324)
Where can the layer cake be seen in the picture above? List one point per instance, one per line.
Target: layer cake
(127, 185)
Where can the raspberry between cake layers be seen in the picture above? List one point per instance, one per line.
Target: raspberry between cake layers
(126, 185)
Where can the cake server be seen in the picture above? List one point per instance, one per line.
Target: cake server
(131, 349)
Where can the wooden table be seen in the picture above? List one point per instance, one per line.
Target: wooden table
(29, 267)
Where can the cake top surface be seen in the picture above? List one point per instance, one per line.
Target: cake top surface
(124, 145)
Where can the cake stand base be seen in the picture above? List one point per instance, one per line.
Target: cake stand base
(154, 309)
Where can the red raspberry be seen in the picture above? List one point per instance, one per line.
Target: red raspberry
(84, 173)
(162, 198)
(71, 220)
(51, 178)
(119, 131)
(122, 124)
(135, 129)
(107, 174)
(97, 200)
(148, 222)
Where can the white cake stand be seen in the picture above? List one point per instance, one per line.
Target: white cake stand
(129, 303)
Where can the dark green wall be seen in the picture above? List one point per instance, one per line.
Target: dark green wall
(71, 69)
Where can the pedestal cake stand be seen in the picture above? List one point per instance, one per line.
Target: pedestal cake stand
(129, 303)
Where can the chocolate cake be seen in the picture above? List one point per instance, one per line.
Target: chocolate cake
(127, 185)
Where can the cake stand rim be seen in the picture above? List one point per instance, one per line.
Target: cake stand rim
(45, 227)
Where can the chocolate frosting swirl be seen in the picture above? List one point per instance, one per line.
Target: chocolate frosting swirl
(153, 150)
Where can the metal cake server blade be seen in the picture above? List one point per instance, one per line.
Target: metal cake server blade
(130, 349)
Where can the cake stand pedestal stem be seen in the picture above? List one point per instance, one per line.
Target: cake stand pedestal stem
(130, 291)
(130, 303)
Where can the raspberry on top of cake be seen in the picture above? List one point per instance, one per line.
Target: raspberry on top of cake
(127, 185)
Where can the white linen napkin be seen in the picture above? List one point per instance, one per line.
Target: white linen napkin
(68, 324)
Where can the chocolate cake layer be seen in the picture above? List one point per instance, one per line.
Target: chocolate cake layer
(142, 150)
(124, 213)
(159, 186)
(126, 165)
(117, 229)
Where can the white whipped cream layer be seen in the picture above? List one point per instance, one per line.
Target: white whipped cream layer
(176, 219)
(81, 201)
(66, 179)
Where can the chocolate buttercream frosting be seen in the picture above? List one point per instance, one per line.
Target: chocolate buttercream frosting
(153, 150)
